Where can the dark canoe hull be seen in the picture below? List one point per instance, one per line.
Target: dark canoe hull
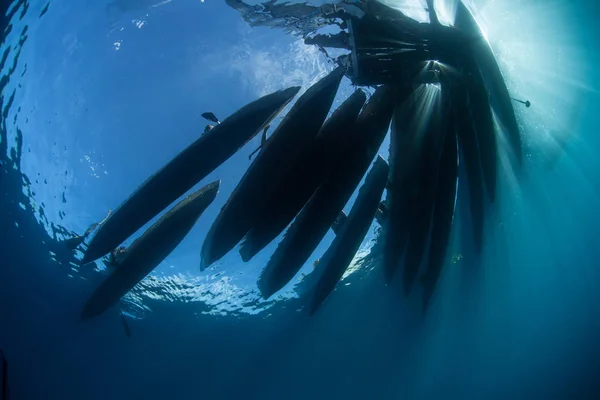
(405, 155)
(291, 138)
(443, 215)
(492, 76)
(304, 178)
(420, 215)
(319, 214)
(336, 259)
(187, 169)
(150, 249)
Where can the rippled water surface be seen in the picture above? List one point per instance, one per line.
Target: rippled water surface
(97, 95)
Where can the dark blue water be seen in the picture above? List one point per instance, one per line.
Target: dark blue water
(98, 95)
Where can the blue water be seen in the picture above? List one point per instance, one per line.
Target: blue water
(98, 95)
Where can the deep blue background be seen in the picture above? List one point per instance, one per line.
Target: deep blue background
(96, 118)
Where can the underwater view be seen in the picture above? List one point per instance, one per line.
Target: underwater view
(325, 199)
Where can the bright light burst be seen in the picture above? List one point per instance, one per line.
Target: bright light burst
(536, 45)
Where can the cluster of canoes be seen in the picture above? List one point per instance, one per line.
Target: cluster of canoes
(439, 96)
